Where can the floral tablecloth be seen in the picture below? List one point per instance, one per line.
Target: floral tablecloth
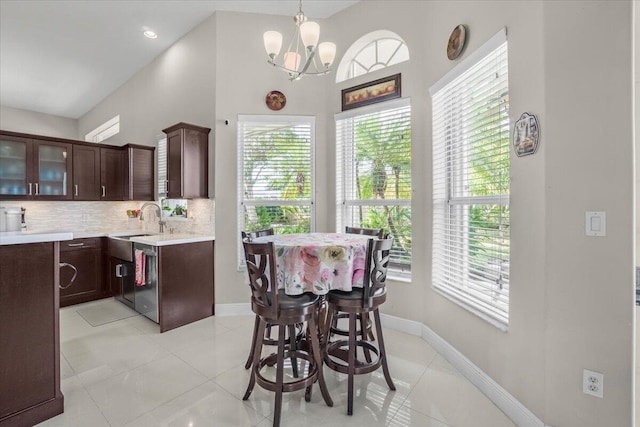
(318, 262)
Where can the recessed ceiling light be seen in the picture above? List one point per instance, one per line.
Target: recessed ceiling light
(150, 34)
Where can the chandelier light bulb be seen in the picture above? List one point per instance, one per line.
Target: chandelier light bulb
(272, 43)
(292, 61)
(310, 34)
(327, 52)
(303, 56)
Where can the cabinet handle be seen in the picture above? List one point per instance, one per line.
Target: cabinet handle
(72, 245)
(167, 186)
(37, 192)
(104, 191)
(75, 274)
(30, 194)
(119, 270)
(76, 187)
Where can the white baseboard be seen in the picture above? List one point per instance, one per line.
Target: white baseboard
(515, 410)
(241, 309)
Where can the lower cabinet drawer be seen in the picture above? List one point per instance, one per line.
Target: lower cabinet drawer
(86, 256)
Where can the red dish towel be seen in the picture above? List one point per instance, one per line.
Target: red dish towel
(140, 267)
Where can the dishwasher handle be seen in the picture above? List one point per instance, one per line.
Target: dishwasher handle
(75, 274)
(119, 268)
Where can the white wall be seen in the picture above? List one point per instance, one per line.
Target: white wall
(243, 79)
(18, 120)
(426, 26)
(589, 162)
(570, 64)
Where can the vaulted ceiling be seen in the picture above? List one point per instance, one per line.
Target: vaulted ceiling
(64, 57)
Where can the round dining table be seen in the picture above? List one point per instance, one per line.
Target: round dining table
(318, 262)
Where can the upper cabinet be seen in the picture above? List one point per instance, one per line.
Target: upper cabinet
(113, 173)
(41, 168)
(86, 172)
(141, 177)
(187, 161)
(35, 169)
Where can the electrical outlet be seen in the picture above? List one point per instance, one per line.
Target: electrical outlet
(593, 383)
(85, 217)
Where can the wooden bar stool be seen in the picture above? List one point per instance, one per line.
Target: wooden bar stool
(341, 355)
(364, 321)
(279, 309)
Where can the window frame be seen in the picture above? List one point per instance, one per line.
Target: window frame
(397, 271)
(268, 119)
(470, 293)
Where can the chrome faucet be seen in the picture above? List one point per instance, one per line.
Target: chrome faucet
(161, 223)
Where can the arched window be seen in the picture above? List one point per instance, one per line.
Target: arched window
(371, 52)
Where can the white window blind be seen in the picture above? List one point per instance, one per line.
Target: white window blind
(471, 184)
(275, 174)
(162, 166)
(373, 174)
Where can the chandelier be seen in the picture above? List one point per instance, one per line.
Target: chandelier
(301, 58)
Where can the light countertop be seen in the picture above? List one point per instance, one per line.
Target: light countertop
(22, 237)
(172, 239)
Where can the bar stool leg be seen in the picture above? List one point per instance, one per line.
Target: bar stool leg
(277, 410)
(293, 347)
(257, 349)
(363, 329)
(317, 356)
(383, 352)
(352, 362)
(255, 337)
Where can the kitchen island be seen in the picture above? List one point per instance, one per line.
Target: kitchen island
(179, 282)
(29, 327)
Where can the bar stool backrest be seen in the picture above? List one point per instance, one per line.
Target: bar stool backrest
(375, 272)
(260, 259)
(376, 232)
(251, 235)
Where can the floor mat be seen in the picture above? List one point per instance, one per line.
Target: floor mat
(107, 312)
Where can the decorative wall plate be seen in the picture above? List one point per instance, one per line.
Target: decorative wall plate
(526, 135)
(275, 100)
(457, 41)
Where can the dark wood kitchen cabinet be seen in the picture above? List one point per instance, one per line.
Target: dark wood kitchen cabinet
(29, 334)
(185, 283)
(86, 172)
(113, 173)
(187, 161)
(34, 169)
(86, 255)
(140, 183)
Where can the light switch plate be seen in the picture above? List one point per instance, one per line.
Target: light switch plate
(596, 224)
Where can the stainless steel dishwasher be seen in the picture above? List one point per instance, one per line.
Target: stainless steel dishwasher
(146, 295)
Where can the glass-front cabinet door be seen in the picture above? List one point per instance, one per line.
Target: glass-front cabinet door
(34, 169)
(15, 168)
(53, 170)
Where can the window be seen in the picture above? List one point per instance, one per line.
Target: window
(374, 51)
(171, 208)
(275, 174)
(471, 183)
(104, 131)
(373, 174)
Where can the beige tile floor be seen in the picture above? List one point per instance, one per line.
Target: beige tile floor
(126, 373)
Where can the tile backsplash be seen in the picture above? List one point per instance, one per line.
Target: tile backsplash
(111, 216)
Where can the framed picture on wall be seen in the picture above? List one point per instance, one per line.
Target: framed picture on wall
(370, 93)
